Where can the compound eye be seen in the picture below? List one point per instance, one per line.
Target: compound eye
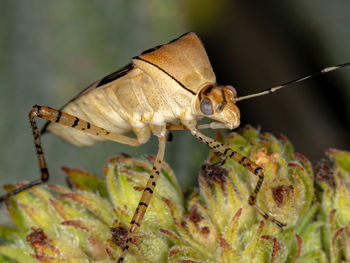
(206, 107)
(232, 89)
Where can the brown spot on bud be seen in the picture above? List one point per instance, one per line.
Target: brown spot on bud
(41, 244)
(213, 174)
(280, 193)
(205, 231)
(119, 235)
(324, 172)
(37, 235)
(275, 248)
(194, 215)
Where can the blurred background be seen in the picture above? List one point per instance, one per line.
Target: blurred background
(51, 50)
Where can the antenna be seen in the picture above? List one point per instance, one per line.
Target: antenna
(289, 83)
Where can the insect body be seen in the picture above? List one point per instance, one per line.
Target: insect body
(164, 85)
(166, 88)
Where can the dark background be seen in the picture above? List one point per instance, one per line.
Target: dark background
(51, 50)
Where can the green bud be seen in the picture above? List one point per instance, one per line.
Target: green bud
(333, 177)
(220, 225)
(88, 221)
(80, 223)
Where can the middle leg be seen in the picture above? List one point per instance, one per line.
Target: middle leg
(146, 196)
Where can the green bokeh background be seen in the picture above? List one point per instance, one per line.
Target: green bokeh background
(50, 50)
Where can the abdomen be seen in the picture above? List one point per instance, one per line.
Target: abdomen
(133, 101)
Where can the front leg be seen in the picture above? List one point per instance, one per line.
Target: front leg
(255, 169)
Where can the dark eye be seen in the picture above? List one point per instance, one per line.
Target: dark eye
(206, 107)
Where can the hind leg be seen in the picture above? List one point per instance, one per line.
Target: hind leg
(70, 121)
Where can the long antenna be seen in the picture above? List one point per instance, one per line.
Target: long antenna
(270, 90)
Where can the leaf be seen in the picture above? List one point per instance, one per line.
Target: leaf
(86, 182)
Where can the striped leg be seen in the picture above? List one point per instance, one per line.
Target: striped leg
(41, 159)
(246, 163)
(146, 197)
(67, 120)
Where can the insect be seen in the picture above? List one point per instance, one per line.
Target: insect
(168, 87)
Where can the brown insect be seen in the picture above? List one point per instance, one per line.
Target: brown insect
(169, 87)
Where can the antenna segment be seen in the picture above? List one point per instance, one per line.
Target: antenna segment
(289, 83)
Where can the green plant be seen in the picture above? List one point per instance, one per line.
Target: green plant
(87, 221)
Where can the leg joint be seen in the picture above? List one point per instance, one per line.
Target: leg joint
(35, 112)
(252, 200)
